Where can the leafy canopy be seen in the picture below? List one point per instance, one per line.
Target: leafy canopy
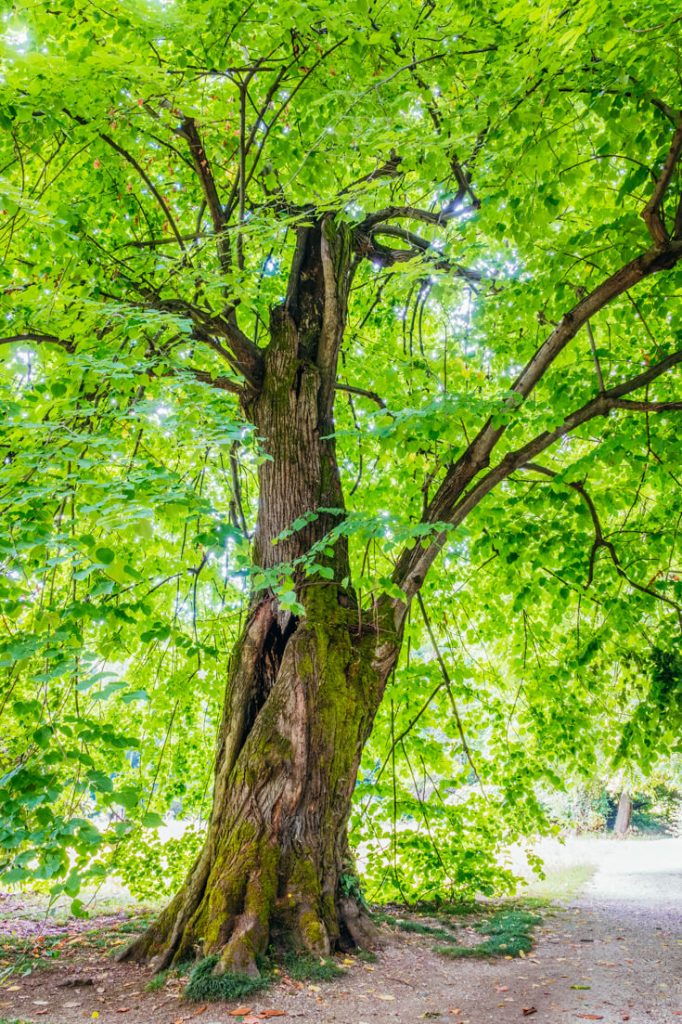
(156, 159)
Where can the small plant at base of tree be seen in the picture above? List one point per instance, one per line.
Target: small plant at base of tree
(205, 986)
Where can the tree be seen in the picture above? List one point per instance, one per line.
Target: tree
(231, 222)
(624, 815)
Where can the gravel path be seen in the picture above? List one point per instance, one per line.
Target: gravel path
(614, 954)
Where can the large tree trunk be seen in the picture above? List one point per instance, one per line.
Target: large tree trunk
(302, 690)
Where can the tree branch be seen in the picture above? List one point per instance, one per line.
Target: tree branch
(414, 563)
(41, 339)
(411, 213)
(222, 383)
(477, 455)
(372, 395)
(600, 541)
(652, 212)
(371, 249)
(242, 354)
(148, 182)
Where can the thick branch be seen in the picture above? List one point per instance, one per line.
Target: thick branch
(412, 213)
(188, 131)
(652, 212)
(372, 395)
(242, 354)
(371, 249)
(41, 339)
(477, 455)
(413, 565)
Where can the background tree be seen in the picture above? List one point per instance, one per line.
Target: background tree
(353, 288)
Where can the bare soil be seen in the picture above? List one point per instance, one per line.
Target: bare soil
(613, 954)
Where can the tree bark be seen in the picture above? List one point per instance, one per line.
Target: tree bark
(624, 814)
(302, 690)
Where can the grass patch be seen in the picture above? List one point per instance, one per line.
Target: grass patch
(443, 930)
(303, 967)
(509, 922)
(498, 945)
(366, 955)
(561, 882)
(419, 928)
(157, 982)
(509, 934)
(446, 910)
(204, 986)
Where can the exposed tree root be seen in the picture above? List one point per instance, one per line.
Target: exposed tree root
(358, 923)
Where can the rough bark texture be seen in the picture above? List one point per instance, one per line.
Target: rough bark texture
(302, 691)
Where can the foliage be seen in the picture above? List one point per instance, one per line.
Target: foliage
(154, 865)
(205, 986)
(127, 476)
(656, 725)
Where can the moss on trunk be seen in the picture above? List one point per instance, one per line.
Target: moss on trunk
(302, 692)
(276, 848)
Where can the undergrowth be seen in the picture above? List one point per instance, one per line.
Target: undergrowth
(159, 980)
(509, 934)
(204, 986)
(419, 927)
(303, 967)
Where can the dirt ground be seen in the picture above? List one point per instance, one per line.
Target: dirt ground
(612, 954)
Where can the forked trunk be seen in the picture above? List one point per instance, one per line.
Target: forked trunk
(302, 691)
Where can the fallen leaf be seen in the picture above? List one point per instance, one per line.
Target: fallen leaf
(581, 988)
(122, 1009)
(240, 1011)
(40, 1013)
(202, 1009)
(273, 1013)
(589, 1016)
(528, 1011)
(385, 996)
(502, 988)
